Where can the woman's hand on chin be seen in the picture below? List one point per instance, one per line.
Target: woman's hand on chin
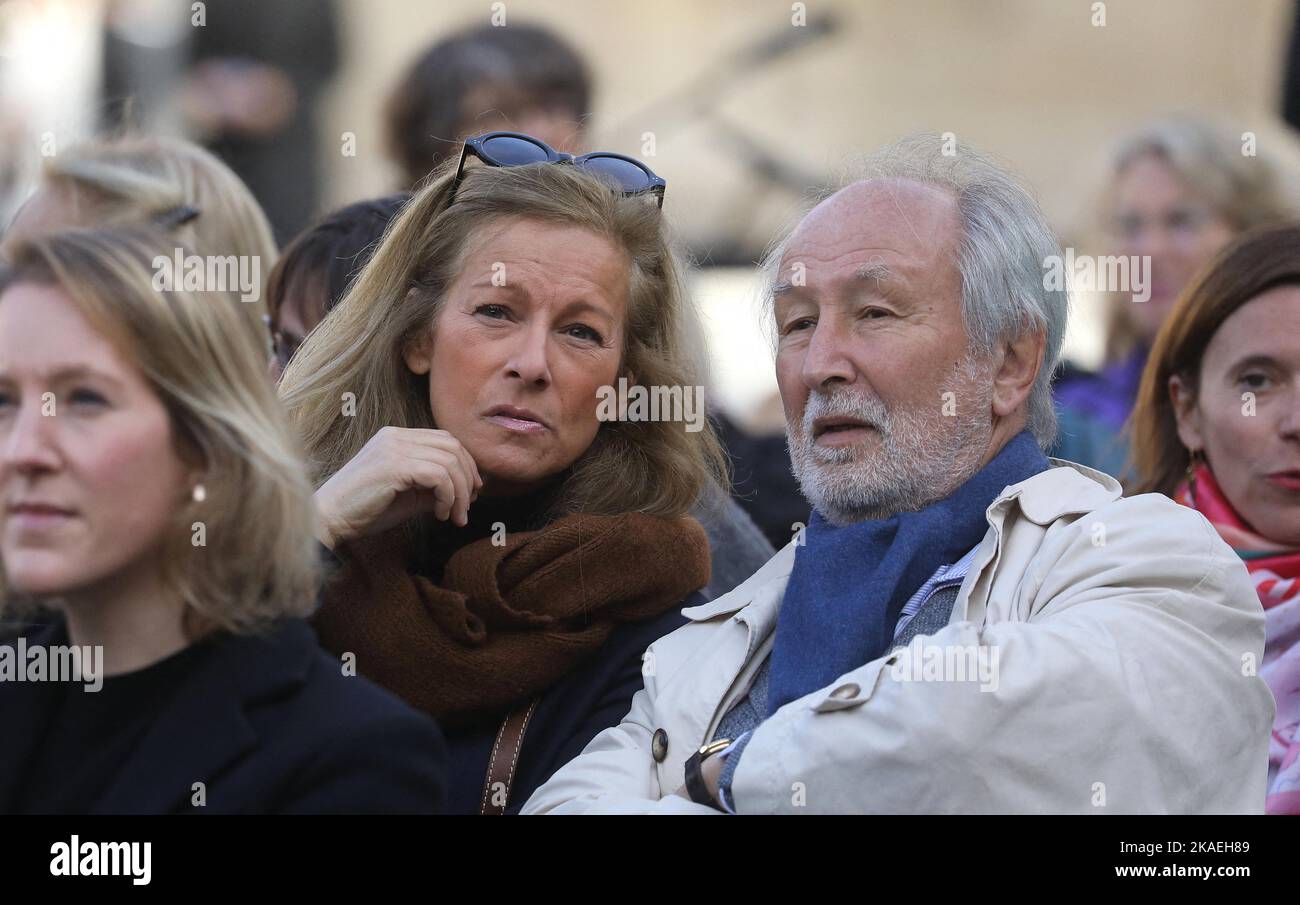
(400, 473)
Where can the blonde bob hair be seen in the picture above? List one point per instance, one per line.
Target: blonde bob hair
(177, 186)
(653, 467)
(259, 562)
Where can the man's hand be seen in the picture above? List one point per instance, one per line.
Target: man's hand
(711, 773)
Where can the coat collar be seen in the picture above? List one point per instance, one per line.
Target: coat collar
(757, 599)
(202, 729)
(1065, 489)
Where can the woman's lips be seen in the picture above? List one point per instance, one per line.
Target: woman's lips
(1287, 480)
(38, 519)
(518, 425)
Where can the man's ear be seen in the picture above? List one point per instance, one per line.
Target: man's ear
(418, 353)
(1022, 359)
(1188, 416)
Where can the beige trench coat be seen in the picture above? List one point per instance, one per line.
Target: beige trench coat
(1125, 636)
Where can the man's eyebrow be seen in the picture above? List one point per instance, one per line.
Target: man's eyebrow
(873, 273)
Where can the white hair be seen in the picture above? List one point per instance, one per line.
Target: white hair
(1005, 244)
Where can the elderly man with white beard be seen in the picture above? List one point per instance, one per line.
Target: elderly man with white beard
(1116, 639)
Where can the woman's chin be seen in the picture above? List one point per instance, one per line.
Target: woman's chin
(40, 580)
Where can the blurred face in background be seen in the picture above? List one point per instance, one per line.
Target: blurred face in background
(1244, 414)
(501, 107)
(1158, 214)
(90, 478)
(529, 331)
(298, 314)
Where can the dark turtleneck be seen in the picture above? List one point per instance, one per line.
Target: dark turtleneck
(434, 542)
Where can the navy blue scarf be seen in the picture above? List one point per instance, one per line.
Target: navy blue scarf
(849, 584)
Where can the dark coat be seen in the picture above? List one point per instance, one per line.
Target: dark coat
(269, 725)
(588, 700)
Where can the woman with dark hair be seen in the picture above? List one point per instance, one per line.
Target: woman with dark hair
(524, 78)
(315, 269)
(1217, 426)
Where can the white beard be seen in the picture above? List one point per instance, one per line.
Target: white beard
(921, 456)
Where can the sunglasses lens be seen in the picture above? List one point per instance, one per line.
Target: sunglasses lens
(626, 175)
(513, 152)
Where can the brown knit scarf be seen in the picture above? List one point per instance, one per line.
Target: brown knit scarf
(506, 622)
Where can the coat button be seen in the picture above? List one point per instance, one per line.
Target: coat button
(659, 745)
(847, 691)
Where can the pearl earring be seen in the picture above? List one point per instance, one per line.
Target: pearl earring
(200, 493)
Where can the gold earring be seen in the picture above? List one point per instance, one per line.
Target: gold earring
(1194, 458)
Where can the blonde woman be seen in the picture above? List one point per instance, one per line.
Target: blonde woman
(171, 184)
(1180, 190)
(508, 554)
(154, 502)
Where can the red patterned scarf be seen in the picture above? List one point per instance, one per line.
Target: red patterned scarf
(1276, 573)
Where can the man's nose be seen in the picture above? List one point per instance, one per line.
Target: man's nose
(1151, 240)
(28, 442)
(529, 356)
(826, 359)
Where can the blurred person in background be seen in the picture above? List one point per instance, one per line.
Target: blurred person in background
(1179, 190)
(256, 74)
(507, 555)
(1217, 427)
(315, 270)
(154, 500)
(168, 183)
(522, 78)
(763, 484)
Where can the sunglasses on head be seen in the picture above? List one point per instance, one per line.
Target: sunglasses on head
(514, 149)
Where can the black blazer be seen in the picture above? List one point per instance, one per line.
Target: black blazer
(268, 724)
(588, 700)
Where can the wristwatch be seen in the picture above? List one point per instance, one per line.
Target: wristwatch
(695, 786)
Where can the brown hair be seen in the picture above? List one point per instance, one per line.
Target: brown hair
(316, 268)
(529, 65)
(1252, 264)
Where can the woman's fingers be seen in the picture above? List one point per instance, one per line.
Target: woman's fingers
(444, 472)
(425, 438)
(399, 473)
(435, 445)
